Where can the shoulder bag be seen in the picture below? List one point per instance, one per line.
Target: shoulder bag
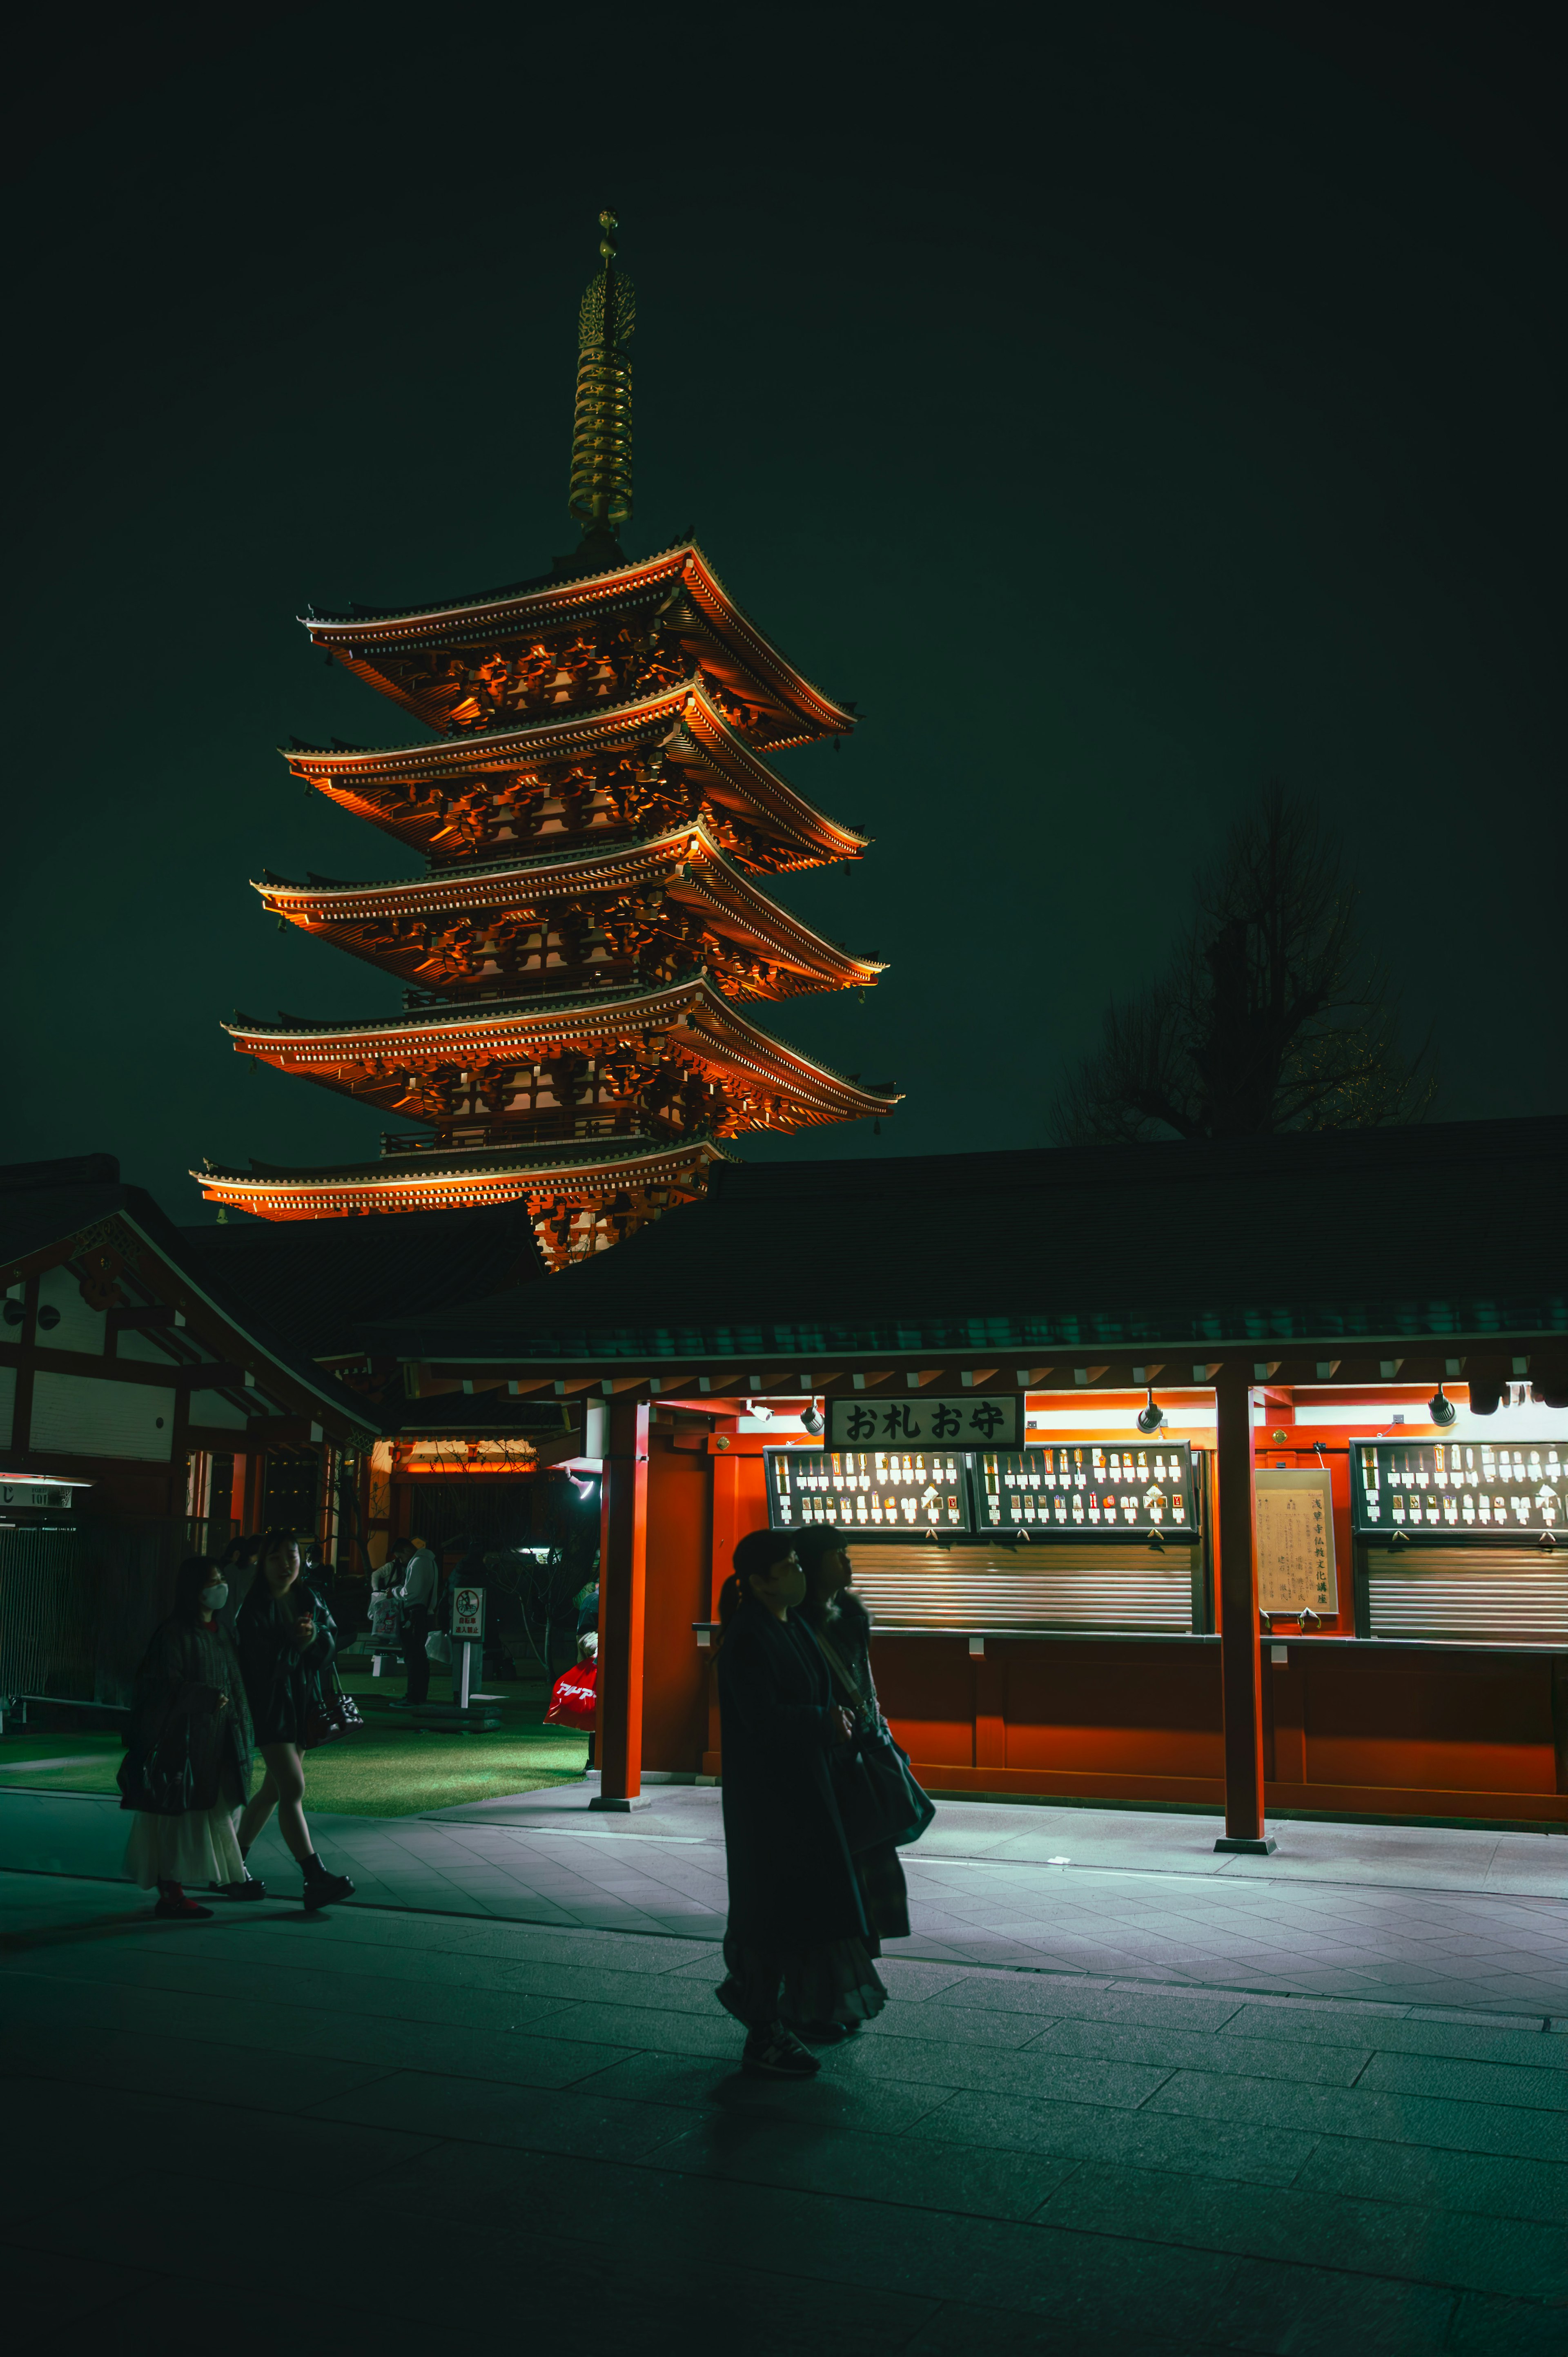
(879, 1800)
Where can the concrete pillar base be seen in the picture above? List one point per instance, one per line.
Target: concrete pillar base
(1227, 1841)
(640, 1801)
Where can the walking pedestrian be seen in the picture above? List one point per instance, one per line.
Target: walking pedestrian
(841, 1627)
(418, 1595)
(796, 1943)
(187, 1769)
(286, 1644)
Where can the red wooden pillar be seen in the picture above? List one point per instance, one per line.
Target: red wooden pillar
(1240, 1670)
(623, 1577)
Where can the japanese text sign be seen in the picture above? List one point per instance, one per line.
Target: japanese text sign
(1296, 1540)
(918, 1422)
(468, 1615)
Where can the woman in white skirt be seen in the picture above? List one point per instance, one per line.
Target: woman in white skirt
(186, 1770)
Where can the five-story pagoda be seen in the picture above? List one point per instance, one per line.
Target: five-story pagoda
(582, 959)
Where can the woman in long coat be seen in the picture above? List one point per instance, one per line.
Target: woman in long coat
(796, 1942)
(187, 1769)
(285, 1647)
(841, 1627)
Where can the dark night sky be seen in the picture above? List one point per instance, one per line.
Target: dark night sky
(1126, 405)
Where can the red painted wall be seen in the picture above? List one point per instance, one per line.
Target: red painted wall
(679, 1543)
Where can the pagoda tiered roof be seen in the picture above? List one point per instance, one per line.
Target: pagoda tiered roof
(573, 1171)
(760, 1082)
(392, 923)
(409, 790)
(676, 591)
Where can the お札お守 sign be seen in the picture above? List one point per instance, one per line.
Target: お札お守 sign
(967, 1423)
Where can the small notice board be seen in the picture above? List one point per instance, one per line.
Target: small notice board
(1296, 1540)
(468, 1615)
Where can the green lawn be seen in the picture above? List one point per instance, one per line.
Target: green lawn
(390, 1770)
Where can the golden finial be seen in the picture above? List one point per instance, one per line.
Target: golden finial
(600, 495)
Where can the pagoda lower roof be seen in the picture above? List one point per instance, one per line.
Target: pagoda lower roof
(685, 863)
(682, 720)
(526, 608)
(581, 1170)
(690, 1017)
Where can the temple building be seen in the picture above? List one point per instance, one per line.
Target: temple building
(585, 959)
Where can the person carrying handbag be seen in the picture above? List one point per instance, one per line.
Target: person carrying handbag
(880, 1803)
(286, 1657)
(186, 1767)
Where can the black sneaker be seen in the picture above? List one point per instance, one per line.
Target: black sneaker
(823, 2033)
(247, 1887)
(321, 1889)
(774, 2053)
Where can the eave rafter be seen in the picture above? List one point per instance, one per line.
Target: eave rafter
(392, 923)
(767, 1083)
(406, 788)
(677, 589)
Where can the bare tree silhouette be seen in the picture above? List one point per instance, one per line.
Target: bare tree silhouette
(1273, 1013)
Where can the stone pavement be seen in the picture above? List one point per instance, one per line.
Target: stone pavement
(394, 2130)
(1401, 1914)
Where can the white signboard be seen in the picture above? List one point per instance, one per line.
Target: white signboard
(1296, 1540)
(468, 1615)
(918, 1422)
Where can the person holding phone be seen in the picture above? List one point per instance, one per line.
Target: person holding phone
(286, 1644)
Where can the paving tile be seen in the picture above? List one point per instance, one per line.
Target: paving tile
(1368, 2114)
(1440, 2180)
(1370, 2238)
(654, 2028)
(702, 2084)
(541, 2119)
(956, 2332)
(1309, 2311)
(955, 2025)
(762, 2150)
(1172, 2048)
(1260, 2154)
(1486, 2327)
(207, 2073)
(1476, 2039)
(1469, 2081)
(999, 2069)
(39, 2304)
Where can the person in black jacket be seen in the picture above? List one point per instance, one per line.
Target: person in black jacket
(285, 1645)
(796, 1941)
(841, 1627)
(187, 1768)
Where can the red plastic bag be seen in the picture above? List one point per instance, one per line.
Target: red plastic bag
(575, 1697)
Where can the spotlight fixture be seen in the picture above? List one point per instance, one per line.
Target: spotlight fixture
(1486, 1393)
(1441, 1408)
(811, 1420)
(759, 1411)
(1150, 1418)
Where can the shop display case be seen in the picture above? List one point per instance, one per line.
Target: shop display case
(1463, 1541)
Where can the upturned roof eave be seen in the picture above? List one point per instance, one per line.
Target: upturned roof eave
(544, 739)
(564, 594)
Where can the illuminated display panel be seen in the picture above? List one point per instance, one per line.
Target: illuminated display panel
(889, 1493)
(1090, 1486)
(1444, 1488)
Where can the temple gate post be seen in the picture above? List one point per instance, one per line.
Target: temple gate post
(623, 1576)
(1240, 1667)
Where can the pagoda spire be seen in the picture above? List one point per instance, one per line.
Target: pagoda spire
(600, 495)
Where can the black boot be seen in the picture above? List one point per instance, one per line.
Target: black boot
(321, 1887)
(775, 2054)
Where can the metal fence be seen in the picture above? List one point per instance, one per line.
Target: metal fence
(78, 1606)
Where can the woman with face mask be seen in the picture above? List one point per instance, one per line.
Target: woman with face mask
(285, 1648)
(796, 1942)
(187, 1768)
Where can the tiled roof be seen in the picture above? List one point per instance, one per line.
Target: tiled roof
(319, 1280)
(1452, 1230)
(35, 1215)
